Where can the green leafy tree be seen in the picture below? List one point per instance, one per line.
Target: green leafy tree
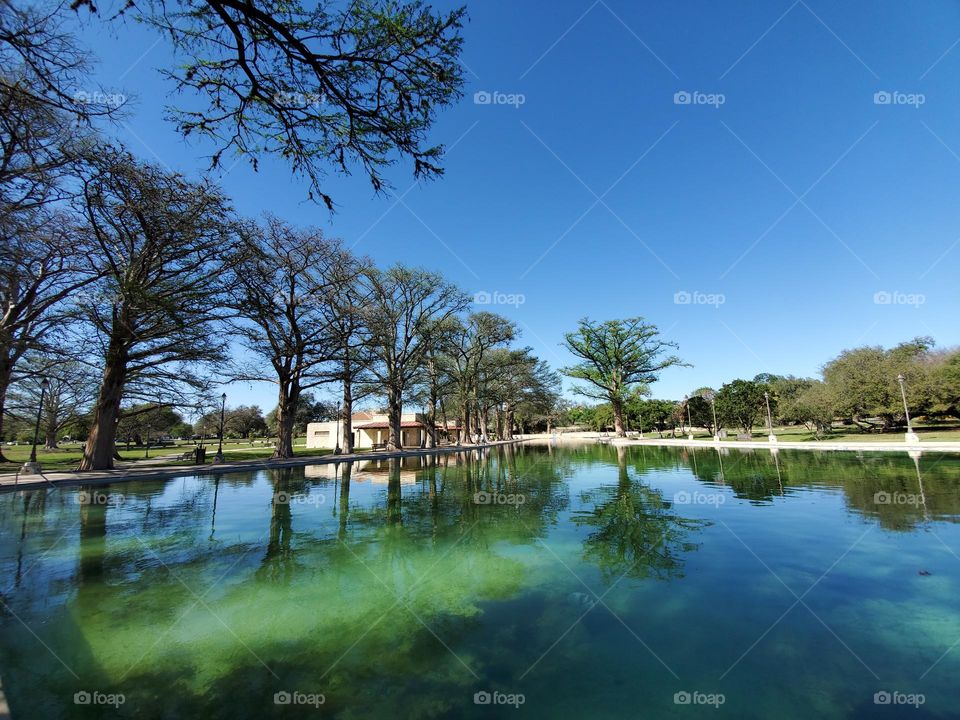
(741, 403)
(617, 357)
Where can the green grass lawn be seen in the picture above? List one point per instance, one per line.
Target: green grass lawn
(67, 457)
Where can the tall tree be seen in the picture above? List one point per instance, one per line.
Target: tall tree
(160, 241)
(284, 277)
(617, 356)
(40, 269)
(406, 308)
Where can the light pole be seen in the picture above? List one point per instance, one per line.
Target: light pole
(32, 467)
(218, 458)
(712, 397)
(336, 449)
(686, 400)
(911, 436)
(771, 437)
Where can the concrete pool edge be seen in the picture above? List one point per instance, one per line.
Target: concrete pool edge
(893, 446)
(106, 477)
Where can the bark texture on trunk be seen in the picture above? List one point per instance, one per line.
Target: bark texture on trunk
(100, 449)
(394, 413)
(346, 433)
(6, 371)
(618, 427)
(286, 418)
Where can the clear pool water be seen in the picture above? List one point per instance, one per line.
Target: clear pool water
(532, 581)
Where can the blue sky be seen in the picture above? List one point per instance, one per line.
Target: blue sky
(795, 209)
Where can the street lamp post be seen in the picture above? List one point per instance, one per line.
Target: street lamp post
(218, 458)
(911, 437)
(336, 449)
(686, 400)
(771, 437)
(32, 467)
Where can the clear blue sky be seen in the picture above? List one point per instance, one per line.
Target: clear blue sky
(798, 199)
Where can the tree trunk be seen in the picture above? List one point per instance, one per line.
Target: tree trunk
(431, 423)
(346, 435)
(508, 421)
(394, 414)
(98, 453)
(286, 419)
(618, 427)
(51, 439)
(6, 370)
(465, 436)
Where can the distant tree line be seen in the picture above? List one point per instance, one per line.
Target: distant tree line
(859, 388)
(125, 284)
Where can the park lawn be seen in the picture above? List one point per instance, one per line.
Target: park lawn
(67, 457)
(794, 433)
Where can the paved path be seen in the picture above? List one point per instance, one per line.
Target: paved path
(931, 446)
(141, 472)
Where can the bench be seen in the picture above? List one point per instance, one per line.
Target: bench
(744, 436)
(189, 455)
(378, 446)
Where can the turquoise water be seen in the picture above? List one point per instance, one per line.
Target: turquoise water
(583, 581)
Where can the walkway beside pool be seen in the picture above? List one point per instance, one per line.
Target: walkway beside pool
(104, 477)
(811, 445)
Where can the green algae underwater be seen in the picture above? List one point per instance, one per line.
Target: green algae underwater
(536, 580)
